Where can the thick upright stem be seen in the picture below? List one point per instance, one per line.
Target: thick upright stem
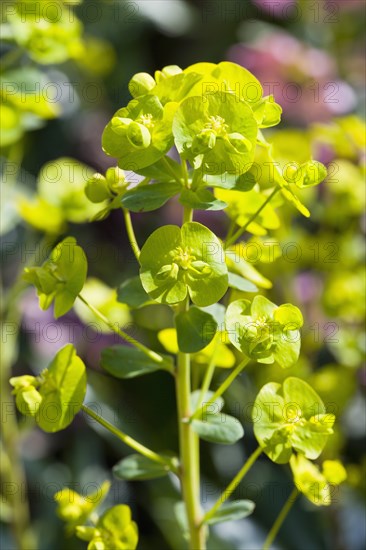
(189, 454)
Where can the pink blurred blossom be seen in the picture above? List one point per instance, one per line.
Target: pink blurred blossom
(303, 79)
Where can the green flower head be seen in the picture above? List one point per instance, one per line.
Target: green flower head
(60, 278)
(55, 396)
(216, 132)
(289, 418)
(115, 530)
(179, 261)
(141, 133)
(265, 332)
(314, 483)
(74, 508)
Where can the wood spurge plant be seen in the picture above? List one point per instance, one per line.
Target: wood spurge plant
(195, 136)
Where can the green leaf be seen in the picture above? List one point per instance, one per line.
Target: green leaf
(126, 362)
(175, 261)
(236, 263)
(147, 198)
(138, 467)
(202, 199)
(232, 511)
(213, 408)
(239, 283)
(195, 329)
(62, 390)
(218, 428)
(132, 293)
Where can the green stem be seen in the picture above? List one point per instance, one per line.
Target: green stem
(224, 386)
(185, 173)
(187, 214)
(280, 519)
(208, 375)
(127, 338)
(233, 485)
(189, 452)
(242, 230)
(171, 171)
(148, 453)
(131, 233)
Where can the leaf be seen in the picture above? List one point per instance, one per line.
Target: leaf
(138, 467)
(235, 259)
(181, 517)
(126, 362)
(62, 391)
(213, 408)
(232, 511)
(202, 199)
(195, 329)
(132, 293)
(218, 428)
(147, 198)
(239, 283)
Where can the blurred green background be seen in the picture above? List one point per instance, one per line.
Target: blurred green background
(65, 67)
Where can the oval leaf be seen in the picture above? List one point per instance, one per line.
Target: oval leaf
(125, 362)
(139, 467)
(195, 329)
(232, 511)
(218, 428)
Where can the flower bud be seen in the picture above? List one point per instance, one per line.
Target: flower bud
(138, 135)
(24, 381)
(141, 84)
(28, 400)
(166, 72)
(97, 188)
(116, 180)
(86, 533)
(120, 125)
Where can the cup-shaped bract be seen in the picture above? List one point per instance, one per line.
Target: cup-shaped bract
(60, 278)
(291, 418)
(114, 530)
(177, 261)
(264, 331)
(141, 133)
(216, 133)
